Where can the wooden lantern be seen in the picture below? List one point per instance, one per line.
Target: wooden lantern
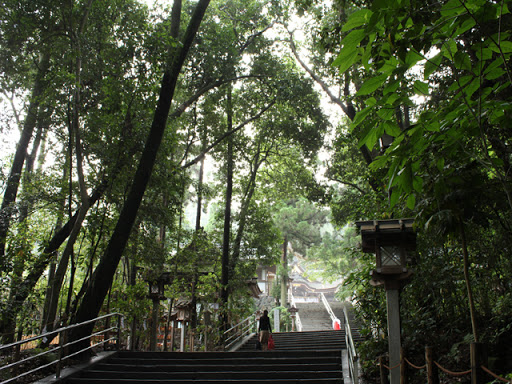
(390, 241)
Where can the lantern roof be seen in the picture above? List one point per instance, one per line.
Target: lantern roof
(394, 232)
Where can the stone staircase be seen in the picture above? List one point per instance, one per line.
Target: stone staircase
(286, 367)
(300, 357)
(303, 341)
(314, 317)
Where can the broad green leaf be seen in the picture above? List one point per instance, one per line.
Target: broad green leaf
(405, 179)
(345, 60)
(372, 85)
(449, 49)
(391, 87)
(462, 61)
(484, 54)
(392, 129)
(390, 100)
(348, 53)
(452, 8)
(357, 19)
(495, 73)
(440, 164)
(395, 196)
(421, 88)
(370, 101)
(472, 87)
(466, 26)
(417, 184)
(386, 113)
(495, 64)
(461, 83)
(352, 40)
(371, 138)
(504, 47)
(431, 65)
(411, 202)
(412, 58)
(360, 116)
(432, 126)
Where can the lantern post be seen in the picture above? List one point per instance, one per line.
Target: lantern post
(390, 241)
(156, 293)
(293, 313)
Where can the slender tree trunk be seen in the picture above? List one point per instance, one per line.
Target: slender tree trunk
(224, 294)
(465, 254)
(199, 208)
(13, 182)
(284, 276)
(104, 272)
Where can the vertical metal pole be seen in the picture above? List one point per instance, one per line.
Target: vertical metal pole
(393, 307)
(61, 354)
(118, 341)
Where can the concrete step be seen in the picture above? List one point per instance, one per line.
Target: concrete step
(303, 341)
(215, 367)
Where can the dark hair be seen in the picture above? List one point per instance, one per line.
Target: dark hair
(265, 312)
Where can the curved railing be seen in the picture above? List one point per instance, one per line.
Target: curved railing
(62, 348)
(237, 332)
(329, 309)
(353, 358)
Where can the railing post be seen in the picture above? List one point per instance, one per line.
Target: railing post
(432, 371)
(118, 341)
(383, 371)
(403, 368)
(478, 358)
(61, 354)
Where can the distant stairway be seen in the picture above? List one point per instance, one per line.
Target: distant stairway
(303, 341)
(284, 367)
(314, 317)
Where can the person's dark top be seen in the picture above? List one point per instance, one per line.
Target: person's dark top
(265, 323)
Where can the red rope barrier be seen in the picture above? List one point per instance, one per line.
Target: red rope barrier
(495, 375)
(451, 372)
(388, 368)
(415, 366)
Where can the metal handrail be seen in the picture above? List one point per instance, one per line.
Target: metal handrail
(328, 308)
(62, 346)
(353, 358)
(238, 331)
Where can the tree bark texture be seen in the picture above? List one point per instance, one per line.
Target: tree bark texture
(104, 272)
(224, 293)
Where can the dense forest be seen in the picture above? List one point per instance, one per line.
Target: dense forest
(202, 137)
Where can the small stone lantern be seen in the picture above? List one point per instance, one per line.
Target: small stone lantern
(390, 241)
(293, 314)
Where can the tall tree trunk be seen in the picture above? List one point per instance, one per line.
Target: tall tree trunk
(244, 210)
(199, 208)
(224, 293)
(284, 275)
(467, 278)
(13, 182)
(104, 272)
